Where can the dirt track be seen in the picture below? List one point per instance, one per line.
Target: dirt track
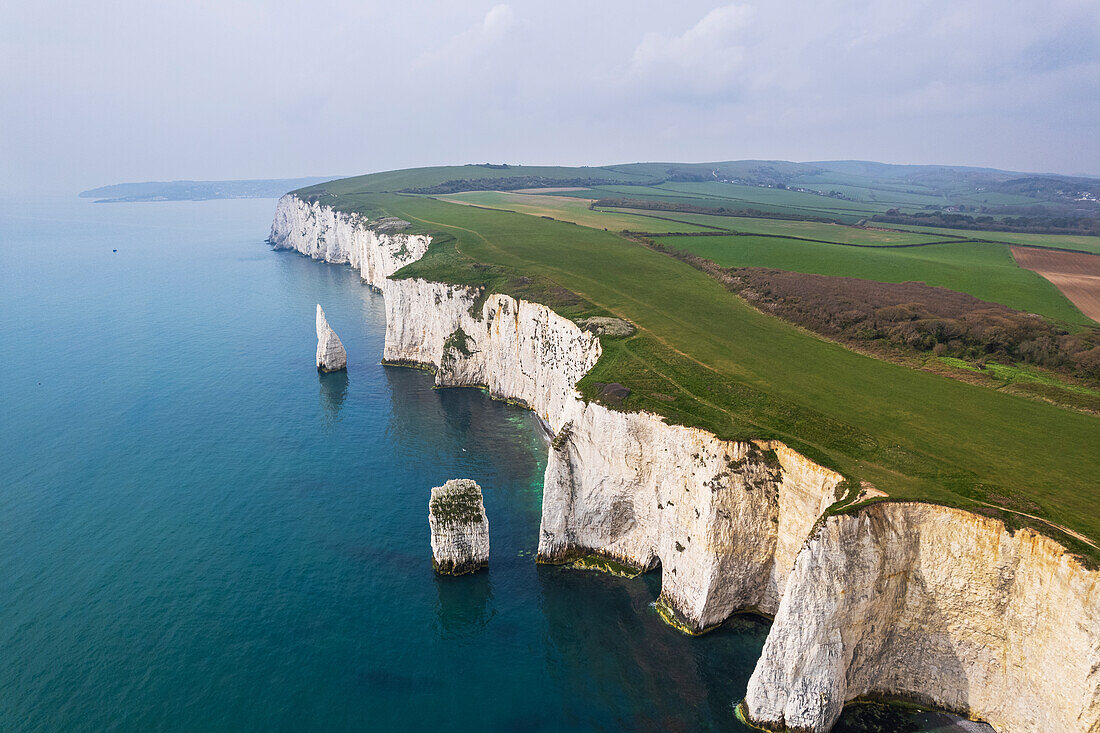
(1076, 275)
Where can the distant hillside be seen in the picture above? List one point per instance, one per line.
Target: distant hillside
(198, 190)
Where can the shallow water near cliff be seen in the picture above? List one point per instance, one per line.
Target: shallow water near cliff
(199, 531)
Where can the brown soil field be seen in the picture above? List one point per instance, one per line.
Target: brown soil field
(1076, 275)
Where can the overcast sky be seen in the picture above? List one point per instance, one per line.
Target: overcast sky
(131, 90)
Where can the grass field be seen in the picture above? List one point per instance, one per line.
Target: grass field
(570, 209)
(775, 196)
(740, 374)
(1082, 242)
(986, 271)
(837, 233)
(721, 194)
(421, 177)
(575, 208)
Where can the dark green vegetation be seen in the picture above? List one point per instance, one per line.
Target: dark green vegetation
(458, 341)
(1039, 224)
(458, 504)
(459, 177)
(196, 190)
(1073, 242)
(713, 210)
(704, 357)
(899, 321)
(986, 271)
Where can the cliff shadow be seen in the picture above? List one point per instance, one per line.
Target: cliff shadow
(912, 657)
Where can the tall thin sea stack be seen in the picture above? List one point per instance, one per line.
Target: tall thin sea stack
(460, 529)
(331, 356)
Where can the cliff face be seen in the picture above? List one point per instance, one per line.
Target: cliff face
(936, 605)
(727, 520)
(623, 485)
(324, 234)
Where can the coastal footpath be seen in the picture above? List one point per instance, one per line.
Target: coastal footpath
(895, 599)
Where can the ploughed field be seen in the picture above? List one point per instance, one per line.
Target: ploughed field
(702, 356)
(1075, 274)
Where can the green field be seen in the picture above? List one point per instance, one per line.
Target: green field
(703, 357)
(986, 271)
(722, 194)
(576, 209)
(1082, 243)
(836, 233)
(570, 209)
(808, 202)
(421, 177)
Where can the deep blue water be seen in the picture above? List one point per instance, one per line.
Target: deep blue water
(198, 531)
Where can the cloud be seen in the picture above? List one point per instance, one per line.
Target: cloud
(473, 42)
(202, 89)
(497, 21)
(705, 59)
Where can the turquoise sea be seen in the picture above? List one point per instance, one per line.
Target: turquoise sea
(200, 532)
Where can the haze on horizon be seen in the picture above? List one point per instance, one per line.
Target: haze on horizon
(216, 89)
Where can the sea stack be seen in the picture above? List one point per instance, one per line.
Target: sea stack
(460, 529)
(331, 356)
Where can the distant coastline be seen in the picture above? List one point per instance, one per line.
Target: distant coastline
(198, 190)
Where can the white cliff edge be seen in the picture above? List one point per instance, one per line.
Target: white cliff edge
(323, 234)
(728, 521)
(459, 528)
(331, 356)
(934, 605)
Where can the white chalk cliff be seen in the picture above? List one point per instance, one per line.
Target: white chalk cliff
(331, 356)
(730, 524)
(326, 235)
(936, 605)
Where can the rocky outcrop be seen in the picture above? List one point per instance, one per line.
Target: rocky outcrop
(727, 521)
(460, 529)
(331, 356)
(939, 606)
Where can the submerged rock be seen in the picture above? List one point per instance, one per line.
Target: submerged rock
(460, 529)
(331, 356)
